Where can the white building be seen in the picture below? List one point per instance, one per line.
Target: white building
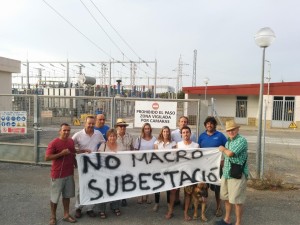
(281, 102)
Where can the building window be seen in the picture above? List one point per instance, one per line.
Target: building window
(283, 108)
(241, 106)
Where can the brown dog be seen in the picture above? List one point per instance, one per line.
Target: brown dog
(199, 194)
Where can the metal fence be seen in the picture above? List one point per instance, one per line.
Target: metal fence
(46, 113)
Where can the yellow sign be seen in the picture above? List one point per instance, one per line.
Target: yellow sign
(76, 122)
(293, 125)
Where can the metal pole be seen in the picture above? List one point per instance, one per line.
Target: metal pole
(155, 78)
(109, 82)
(264, 142)
(28, 84)
(266, 102)
(68, 74)
(205, 91)
(260, 108)
(36, 128)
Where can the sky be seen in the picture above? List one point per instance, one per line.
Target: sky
(221, 31)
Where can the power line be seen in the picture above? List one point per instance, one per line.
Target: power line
(143, 61)
(103, 30)
(97, 46)
(116, 31)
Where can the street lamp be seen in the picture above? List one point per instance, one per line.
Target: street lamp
(263, 38)
(205, 80)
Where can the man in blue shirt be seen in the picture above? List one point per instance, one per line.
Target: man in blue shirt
(208, 139)
(100, 125)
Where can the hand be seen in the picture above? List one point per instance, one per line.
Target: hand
(83, 151)
(65, 152)
(222, 148)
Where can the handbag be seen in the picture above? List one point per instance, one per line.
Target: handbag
(236, 170)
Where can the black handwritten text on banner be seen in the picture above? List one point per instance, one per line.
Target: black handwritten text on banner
(110, 176)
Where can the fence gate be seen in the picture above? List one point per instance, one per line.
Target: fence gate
(283, 111)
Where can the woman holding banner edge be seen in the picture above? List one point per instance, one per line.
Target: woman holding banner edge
(110, 146)
(164, 141)
(145, 142)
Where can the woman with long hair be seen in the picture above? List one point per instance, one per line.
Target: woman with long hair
(145, 142)
(164, 141)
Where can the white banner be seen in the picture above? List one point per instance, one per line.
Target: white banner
(110, 176)
(157, 113)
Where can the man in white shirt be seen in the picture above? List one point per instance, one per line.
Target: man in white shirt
(176, 135)
(184, 144)
(86, 141)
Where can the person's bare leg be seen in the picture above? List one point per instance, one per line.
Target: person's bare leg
(238, 213)
(218, 202)
(171, 204)
(53, 213)
(66, 205)
(228, 207)
(187, 201)
(53, 209)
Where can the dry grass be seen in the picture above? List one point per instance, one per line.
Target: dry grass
(271, 181)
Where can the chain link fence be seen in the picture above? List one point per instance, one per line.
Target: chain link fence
(46, 113)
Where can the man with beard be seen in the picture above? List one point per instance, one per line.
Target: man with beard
(87, 140)
(208, 139)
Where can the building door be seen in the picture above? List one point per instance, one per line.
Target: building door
(283, 111)
(241, 110)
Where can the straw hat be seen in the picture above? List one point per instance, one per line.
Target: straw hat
(230, 125)
(121, 122)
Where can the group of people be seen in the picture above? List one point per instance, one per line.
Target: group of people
(98, 137)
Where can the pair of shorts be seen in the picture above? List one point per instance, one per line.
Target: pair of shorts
(234, 190)
(64, 186)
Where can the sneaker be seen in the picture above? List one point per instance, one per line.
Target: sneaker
(78, 213)
(155, 207)
(91, 213)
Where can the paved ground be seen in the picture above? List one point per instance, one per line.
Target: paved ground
(24, 192)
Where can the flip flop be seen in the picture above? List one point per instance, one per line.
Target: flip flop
(117, 212)
(187, 218)
(52, 221)
(69, 219)
(169, 216)
(102, 215)
(222, 222)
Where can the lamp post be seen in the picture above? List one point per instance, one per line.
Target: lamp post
(265, 119)
(205, 80)
(263, 38)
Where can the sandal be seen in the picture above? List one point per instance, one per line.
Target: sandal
(219, 212)
(52, 221)
(69, 219)
(169, 216)
(102, 215)
(117, 212)
(187, 218)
